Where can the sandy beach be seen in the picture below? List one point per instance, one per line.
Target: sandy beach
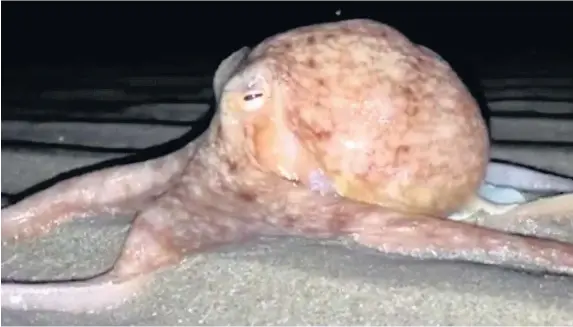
(279, 281)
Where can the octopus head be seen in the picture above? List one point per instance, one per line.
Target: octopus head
(253, 118)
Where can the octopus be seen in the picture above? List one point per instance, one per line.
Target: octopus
(339, 129)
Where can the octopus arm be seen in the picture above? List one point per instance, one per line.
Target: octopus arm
(424, 236)
(147, 248)
(524, 178)
(104, 191)
(429, 237)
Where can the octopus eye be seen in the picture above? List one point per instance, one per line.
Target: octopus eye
(253, 100)
(252, 96)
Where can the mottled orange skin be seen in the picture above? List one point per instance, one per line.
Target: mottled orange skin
(387, 122)
(286, 115)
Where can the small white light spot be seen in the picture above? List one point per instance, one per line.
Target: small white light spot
(286, 174)
(349, 144)
(15, 299)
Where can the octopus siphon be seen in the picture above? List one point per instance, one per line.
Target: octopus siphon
(339, 129)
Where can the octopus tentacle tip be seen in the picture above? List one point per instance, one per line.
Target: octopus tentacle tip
(80, 297)
(324, 130)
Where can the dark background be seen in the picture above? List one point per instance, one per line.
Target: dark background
(62, 39)
(135, 33)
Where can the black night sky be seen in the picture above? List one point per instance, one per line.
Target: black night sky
(154, 32)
